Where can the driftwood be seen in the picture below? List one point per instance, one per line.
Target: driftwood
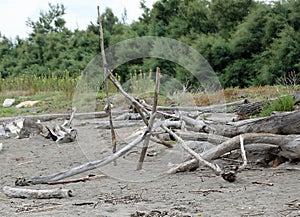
(211, 138)
(118, 124)
(36, 194)
(211, 108)
(228, 176)
(84, 179)
(249, 109)
(221, 133)
(151, 121)
(49, 117)
(106, 72)
(84, 167)
(286, 123)
(290, 145)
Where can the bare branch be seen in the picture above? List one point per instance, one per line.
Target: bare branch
(106, 72)
(151, 121)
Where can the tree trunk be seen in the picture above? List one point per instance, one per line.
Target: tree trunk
(282, 123)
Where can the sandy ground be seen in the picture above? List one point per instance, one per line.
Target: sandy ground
(127, 192)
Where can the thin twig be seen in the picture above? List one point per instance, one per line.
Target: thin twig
(151, 121)
(205, 191)
(106, 73)
(263, 183)
(84, 179)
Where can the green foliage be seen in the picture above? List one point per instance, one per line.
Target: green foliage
(33, 84)
(285, 103)
(246, 42)
(49, 102)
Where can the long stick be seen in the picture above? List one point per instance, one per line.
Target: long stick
(84, 179)
(105, 66)
(139, 107)
(151, 121)
(214, 167)
(84, 167)
(234, 143)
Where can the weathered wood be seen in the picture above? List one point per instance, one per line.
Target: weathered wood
(200, 159)
(290, 145)
(151, 121)
(83, 167)
(138, 106)
(106, 72)
(285, 123)
(49, 117)
(211, 108)
(84, 179)
(194, 136)
(118, 124)
(249, 109)
(36, 194)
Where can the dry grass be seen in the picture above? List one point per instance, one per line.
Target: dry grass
(234, 94)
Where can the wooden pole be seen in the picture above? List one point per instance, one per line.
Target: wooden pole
(106, 73)
(151, 121)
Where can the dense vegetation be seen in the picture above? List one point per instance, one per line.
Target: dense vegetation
(246, 42)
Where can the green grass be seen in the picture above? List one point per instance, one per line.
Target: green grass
(57, 95)
(285, 103)
(50, 102)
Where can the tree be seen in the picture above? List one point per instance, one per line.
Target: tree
(282, 56)
(50, 21)
(228, 14)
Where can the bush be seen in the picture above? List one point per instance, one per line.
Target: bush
(285, 103)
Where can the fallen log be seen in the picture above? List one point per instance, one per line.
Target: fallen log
(283, 123)
(118, 124)
(211, 138)
(228, 176)
(36, 194)
(289, 144)
(219, 108)
(49, 117)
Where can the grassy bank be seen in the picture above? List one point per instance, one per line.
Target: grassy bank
(56, 95)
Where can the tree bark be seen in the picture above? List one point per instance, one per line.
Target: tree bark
(290, 145)
(36, 194)
(284, 124)
(84, 167)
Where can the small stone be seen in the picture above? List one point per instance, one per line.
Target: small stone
(8, 102)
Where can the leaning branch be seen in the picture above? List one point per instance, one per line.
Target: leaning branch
(200, 159)
(151, 121)
(84, 167)
(290, 145)
(106, 72)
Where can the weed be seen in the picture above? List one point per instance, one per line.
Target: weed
(285, 103)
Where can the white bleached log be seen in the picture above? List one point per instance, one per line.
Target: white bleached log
(36, 194)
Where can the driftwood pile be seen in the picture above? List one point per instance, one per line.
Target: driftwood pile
(277, 135)
(26, 127)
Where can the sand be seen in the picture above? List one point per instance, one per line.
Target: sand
(127, 192)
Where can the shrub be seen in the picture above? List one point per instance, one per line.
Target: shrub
(285, 103)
